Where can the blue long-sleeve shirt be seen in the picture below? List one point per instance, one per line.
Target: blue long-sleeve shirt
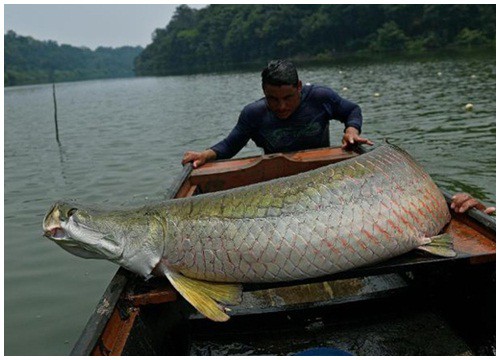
(306, 128)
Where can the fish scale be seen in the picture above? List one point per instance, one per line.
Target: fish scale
(370, 208)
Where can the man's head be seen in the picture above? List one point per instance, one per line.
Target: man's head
(280, 72)
(282, 87)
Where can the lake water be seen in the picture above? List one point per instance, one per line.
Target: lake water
(122, 141)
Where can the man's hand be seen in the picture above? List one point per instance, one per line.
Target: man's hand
(351, 137)
(462, 202)
(198, 158)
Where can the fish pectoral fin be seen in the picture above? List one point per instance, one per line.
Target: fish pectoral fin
(208, 298)
(440, 245)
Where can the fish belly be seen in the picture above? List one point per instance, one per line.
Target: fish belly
(361, 211)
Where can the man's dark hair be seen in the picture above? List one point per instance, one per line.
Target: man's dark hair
(280, 72)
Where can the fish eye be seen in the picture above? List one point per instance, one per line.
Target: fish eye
(72, 211)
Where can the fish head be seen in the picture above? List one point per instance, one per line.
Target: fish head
(85, 233)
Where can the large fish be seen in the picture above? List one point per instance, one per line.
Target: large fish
(370, 208)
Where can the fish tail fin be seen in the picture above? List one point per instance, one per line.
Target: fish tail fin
(207, 297)
(440, 245)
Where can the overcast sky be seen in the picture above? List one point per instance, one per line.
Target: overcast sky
(89, 25)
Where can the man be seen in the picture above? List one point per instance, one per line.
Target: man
(290, 117)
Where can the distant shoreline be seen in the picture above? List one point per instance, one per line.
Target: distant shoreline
(359, 57)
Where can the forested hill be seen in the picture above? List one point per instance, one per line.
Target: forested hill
(227, 37)
(29, 61)
(220, 37)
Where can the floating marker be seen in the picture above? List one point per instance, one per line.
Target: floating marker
(469, 107)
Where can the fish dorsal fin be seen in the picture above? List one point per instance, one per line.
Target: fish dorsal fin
(207, 297)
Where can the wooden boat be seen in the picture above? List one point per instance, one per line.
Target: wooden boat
(415, 304)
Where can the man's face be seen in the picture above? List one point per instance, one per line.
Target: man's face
(282, 100)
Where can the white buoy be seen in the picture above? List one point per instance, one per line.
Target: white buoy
(376, 94)
(344, 89)
(473, 76)
(440, 73)
(469, 107)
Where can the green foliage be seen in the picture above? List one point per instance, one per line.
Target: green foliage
(390, 38)
(416, 46)
(29, 61)
(226, 37)
(223, 37)
(470, 37)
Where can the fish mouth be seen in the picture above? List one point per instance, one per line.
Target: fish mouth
(55, 233)
(54, 221)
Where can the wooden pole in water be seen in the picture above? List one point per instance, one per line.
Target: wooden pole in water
(55, 112)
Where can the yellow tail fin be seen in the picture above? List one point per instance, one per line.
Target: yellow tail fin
(208, 298)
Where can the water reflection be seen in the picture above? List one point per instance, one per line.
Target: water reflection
(62, 159)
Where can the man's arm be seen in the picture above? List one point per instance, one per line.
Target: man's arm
(234, 142)
(350, 114)
(224, 149)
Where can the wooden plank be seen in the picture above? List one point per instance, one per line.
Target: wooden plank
(329, 155)
(191, 190)
(326, 293)
(115, 336)
(155, 296)
(179, 181)
(101, 315)
(273, 168)
(468, 241)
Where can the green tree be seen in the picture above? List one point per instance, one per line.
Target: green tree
(390, 38)
(29, 61)
(470, 37)
(220, 37)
